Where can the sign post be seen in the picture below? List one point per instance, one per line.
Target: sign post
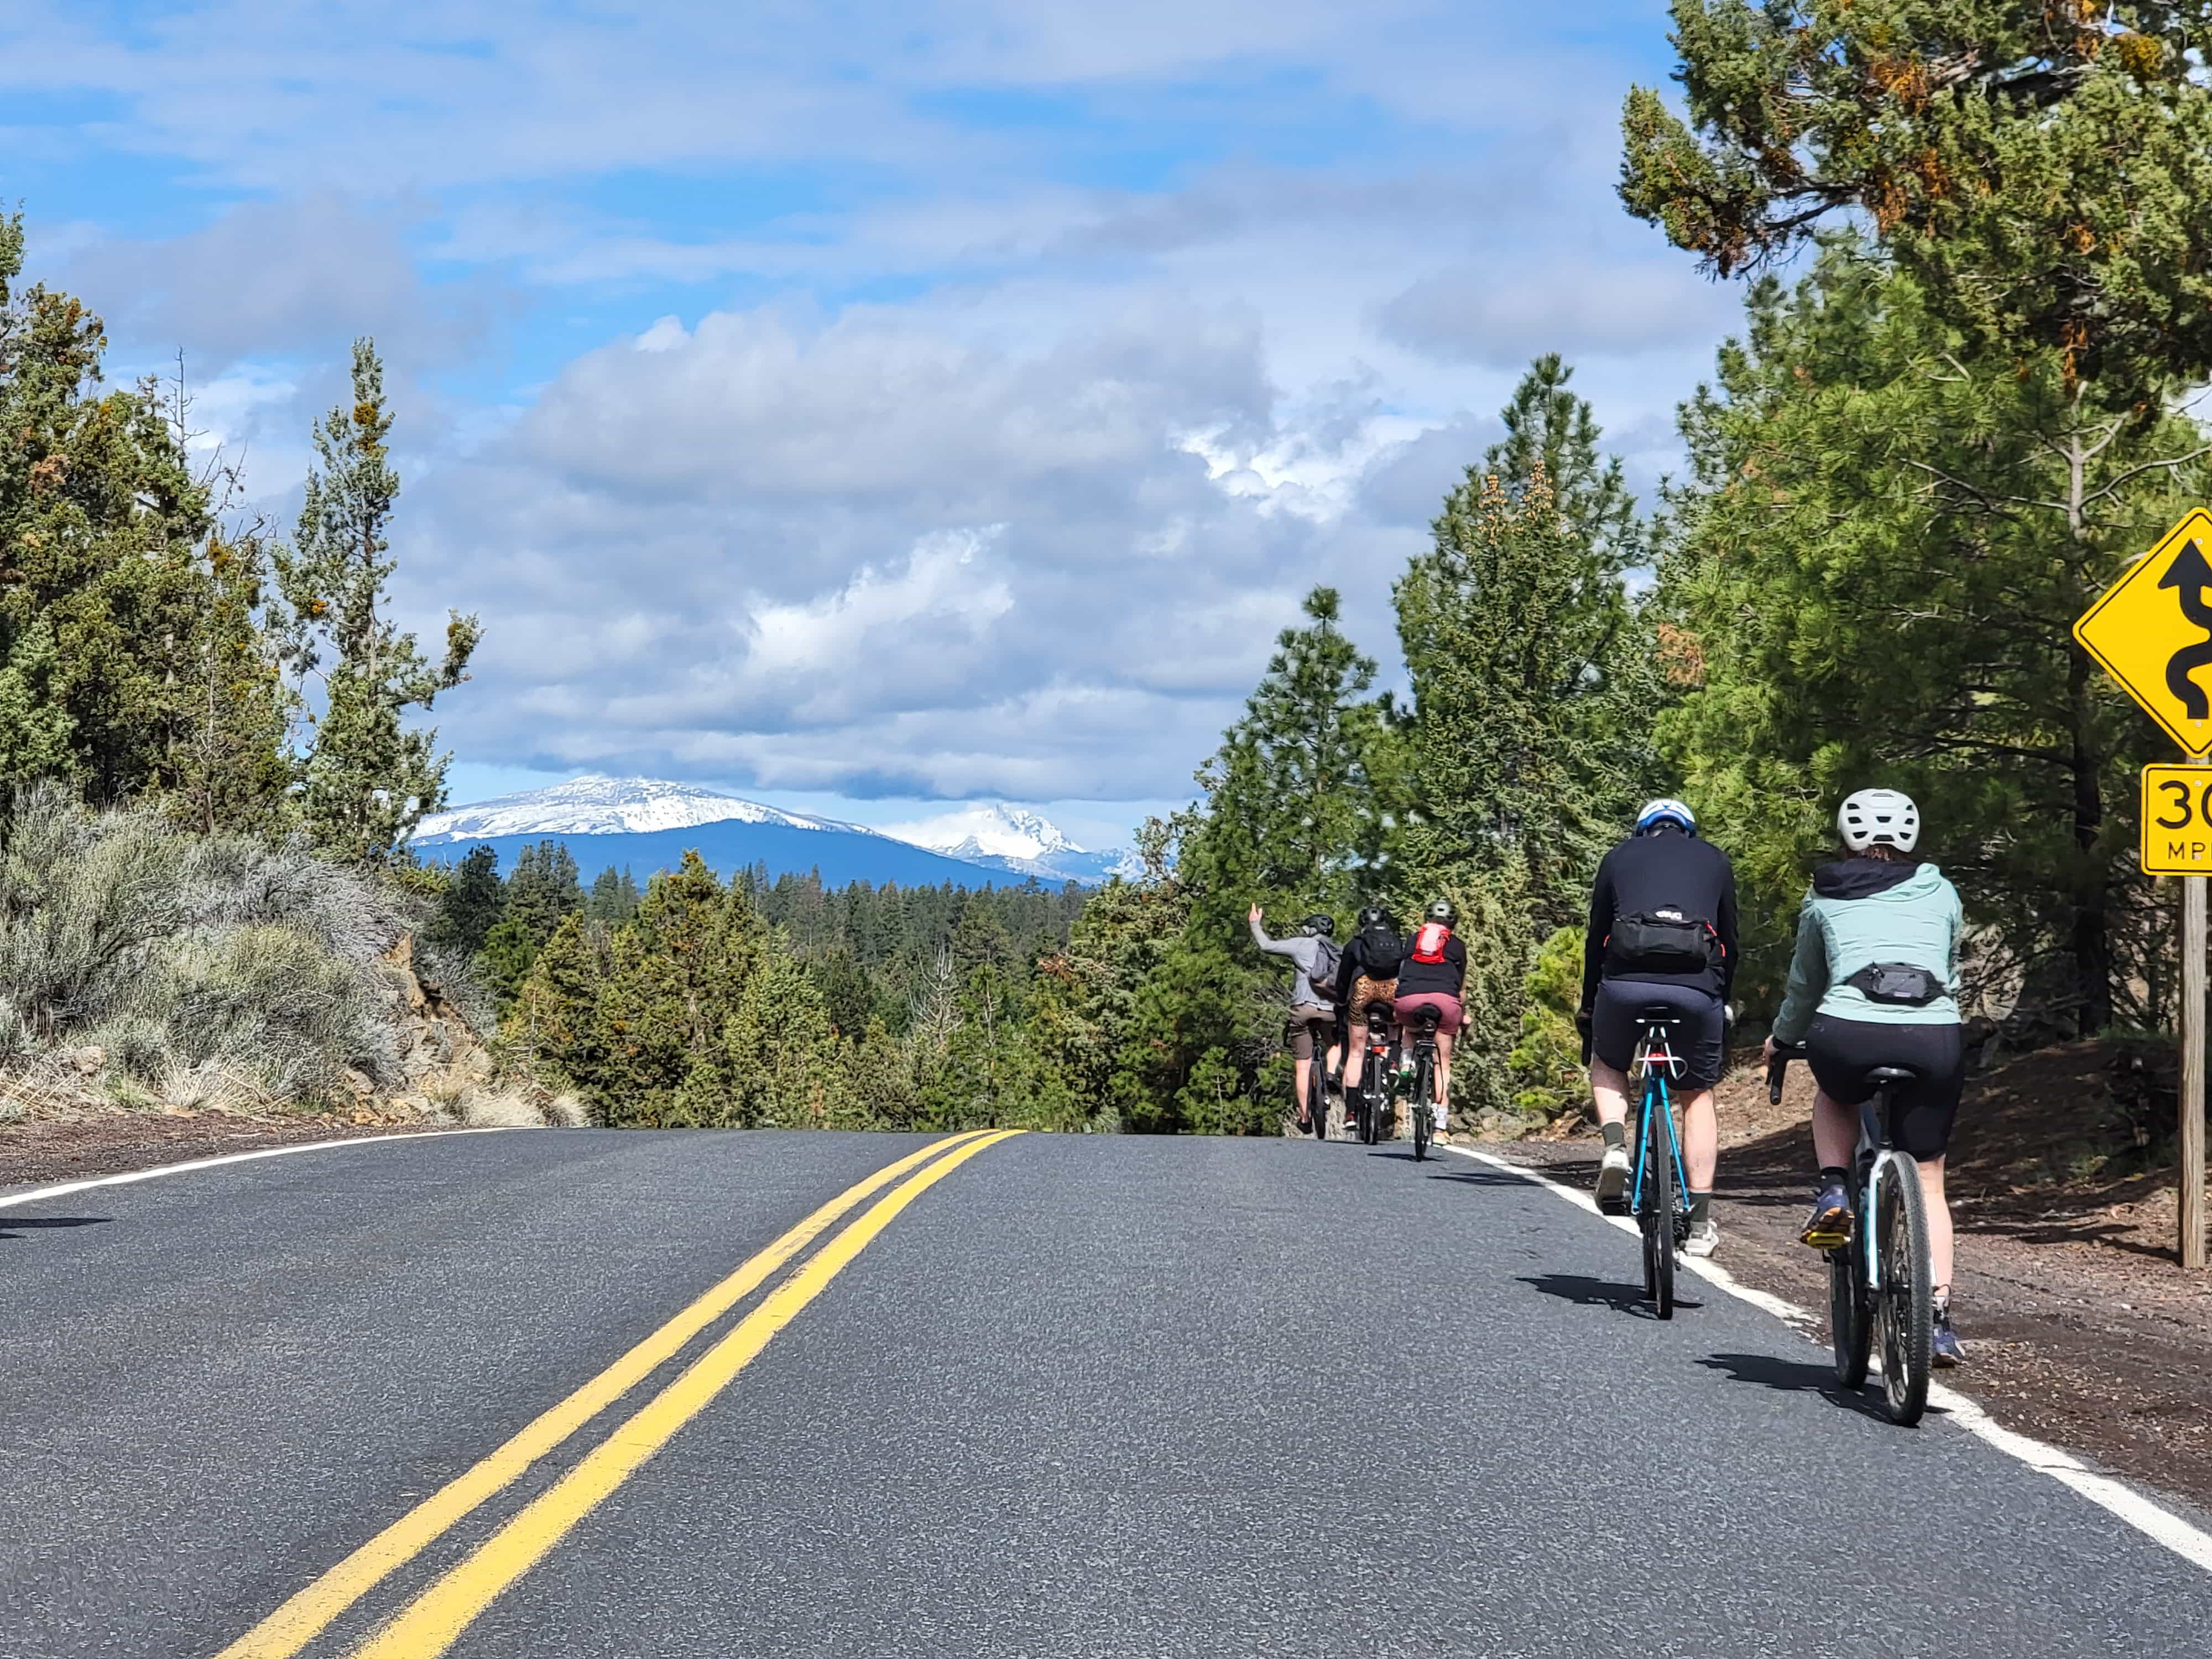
(2152, 631)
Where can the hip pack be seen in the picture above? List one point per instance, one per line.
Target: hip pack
(1898, 983)
(1663, 942)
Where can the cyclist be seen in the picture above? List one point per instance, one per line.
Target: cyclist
(1433, 975)
(1880, 905)
(1313, 993)
(1662, 930)
(1367, 972)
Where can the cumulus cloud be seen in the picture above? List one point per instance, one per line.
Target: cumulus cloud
(1492, 314)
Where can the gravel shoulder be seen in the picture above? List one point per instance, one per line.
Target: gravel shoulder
(2082, 1329)
(40, 1152)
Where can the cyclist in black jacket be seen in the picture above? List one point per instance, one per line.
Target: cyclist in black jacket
(1661, 874)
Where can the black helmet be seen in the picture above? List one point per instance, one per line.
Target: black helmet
(1374, 915)
(1318, 923)
(1442, 911)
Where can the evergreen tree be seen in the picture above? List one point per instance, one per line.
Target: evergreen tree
(474, 901)
(554, 1028)
(2039, 169)
(613, 898)
(542, 891)
(1885, 541)
(99, 518)
(229, 766)
(368, 778)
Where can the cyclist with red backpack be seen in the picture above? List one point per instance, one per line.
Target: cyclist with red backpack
(1433, 976)
(1662, 931)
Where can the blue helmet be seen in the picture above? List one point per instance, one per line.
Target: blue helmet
(1665, 810)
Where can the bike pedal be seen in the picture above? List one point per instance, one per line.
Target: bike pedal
(1613, 1206)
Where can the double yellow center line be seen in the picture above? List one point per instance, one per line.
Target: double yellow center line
(431, 1623)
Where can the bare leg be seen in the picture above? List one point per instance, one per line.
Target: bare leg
(1701, 1141)
(1939, 1225)
(1609, 1089)
(1354, 1060)
(1835, 1131)
(1304, 1068)
(1444, 1075)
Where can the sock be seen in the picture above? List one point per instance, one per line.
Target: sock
(1701, 1207)
(1616, 1135)
(1835, 1177)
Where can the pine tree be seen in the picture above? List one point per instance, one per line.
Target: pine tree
(99, 519)
(542, 891)
(1876, 567)
(613, 898)
(554, 1028)
(368, 778)
(229, 768)
(474, 901)
(2039, 169)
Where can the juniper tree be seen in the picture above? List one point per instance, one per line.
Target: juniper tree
(367, 778)
(472, 905)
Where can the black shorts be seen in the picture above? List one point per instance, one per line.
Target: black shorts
(1842, 1051)
(1617, 1026)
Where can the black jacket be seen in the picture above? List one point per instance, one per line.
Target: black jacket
(1448, 977)
(1666, 868)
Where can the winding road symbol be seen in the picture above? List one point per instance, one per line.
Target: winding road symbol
(2152, 631)
(2189, 575)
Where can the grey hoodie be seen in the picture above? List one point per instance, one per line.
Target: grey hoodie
(1859, 912)
(1312, 956)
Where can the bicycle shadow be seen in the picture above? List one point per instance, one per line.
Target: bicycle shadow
(1800, 1377)
(1587, 1293)
(1476, 1177)
(8, 1224)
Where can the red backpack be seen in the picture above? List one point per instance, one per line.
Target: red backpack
(1429, 942)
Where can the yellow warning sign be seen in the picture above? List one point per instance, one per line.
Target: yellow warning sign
(2177, 820)
(2152, 631)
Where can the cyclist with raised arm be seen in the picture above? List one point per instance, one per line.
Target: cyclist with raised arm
(1433, 978)
(1367, 972)
(1662, 932)
(1312, 956)
(1875, 983)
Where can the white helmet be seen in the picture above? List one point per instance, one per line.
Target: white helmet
(1665, 810)
(1879, 816)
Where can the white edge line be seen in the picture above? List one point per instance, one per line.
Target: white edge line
(33, 1195)
(2155, 1522)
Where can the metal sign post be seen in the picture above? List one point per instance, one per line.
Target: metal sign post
(2192, 1063)
(2152, 631)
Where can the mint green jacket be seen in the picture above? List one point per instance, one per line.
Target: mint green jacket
(1860, 912)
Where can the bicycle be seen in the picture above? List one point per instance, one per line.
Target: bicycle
(1422, 1107)
(1658, 1196)
(1370, 1104)
(1879, 1281)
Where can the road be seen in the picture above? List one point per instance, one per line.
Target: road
(1104, 1396)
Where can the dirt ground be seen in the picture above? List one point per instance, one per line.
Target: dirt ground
(40, 1152)
(2081, 1328)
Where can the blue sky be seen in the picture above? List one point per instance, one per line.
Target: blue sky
(867, 407)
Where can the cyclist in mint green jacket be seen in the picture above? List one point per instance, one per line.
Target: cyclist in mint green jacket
(1880, 905)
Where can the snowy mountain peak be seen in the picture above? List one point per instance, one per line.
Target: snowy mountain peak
(597, 805)
(988, 830)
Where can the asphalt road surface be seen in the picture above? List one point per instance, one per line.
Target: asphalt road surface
(1071, 1396)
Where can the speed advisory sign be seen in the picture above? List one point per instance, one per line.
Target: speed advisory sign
(2177, 820)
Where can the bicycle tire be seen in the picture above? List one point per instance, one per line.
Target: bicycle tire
(1366, 1108)
(1659, 1217)
(1850, 1332)
(1906, 1302)
(1421, 1107)
(1317, 1100)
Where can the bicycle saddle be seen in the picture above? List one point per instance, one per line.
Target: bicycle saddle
(1660, 1013)
(1893, 1074)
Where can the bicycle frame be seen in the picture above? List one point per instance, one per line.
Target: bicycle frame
(1874, 1151)
(1655, 1062)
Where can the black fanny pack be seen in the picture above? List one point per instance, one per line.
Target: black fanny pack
(1661, 943)
(1899, 983)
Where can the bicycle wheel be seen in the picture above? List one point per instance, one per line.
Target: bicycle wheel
(1317, 1100)
(1906, 1302)
(1370, 1112)
(1423, 1111)
(1658, 1217)
(1849, 1331)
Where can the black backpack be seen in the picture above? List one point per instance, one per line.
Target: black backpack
(1382, 951)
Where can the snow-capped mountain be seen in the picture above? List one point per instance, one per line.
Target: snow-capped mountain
(1012, 839)
(597, 806)
(645, 825)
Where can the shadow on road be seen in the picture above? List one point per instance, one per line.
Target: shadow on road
(1587, 1293)
(1797, 1377)
(1478, 1177)
(8, 1224)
